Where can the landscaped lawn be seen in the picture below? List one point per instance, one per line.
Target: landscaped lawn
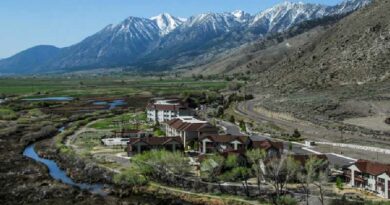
(128, 121)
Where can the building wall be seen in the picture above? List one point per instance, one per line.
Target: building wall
(161, 115)
(385, 193)
(371, 182)
(115, 141)
(151, 115)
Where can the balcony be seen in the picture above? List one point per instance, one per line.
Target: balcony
(359, 178)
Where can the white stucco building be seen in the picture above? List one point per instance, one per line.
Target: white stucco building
(162, 110)
(115, 141)
(372, 176)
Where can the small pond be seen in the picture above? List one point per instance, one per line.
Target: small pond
(112, 105)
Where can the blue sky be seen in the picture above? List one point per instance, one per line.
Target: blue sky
(26, 23)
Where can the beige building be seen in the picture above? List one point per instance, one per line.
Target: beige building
(189, 129)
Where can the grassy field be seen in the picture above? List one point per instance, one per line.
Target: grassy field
(89, 140)
(106, 86)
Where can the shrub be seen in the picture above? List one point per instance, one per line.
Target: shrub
(339, 183)
(157, 161)
(7, 114)
(158, 132)
(242, 126)
(232, 120)
(296, 134)
(286, 200)
(130, 177)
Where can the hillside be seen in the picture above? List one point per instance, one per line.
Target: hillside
(339, 77)
(32, 58)
(262, 54)
(355, 50)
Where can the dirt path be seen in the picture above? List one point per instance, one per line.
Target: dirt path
(224, 198)
(70, 139)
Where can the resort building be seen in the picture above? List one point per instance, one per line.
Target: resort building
(139, 145)
(115, 141)
(369, 175)
(162, 110)
(189, 129)
(222, 143)
(131, 134)
(272, 148)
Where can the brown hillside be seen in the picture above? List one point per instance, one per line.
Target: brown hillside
(355, 50)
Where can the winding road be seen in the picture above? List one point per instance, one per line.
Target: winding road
(247, 109)
(309, 130)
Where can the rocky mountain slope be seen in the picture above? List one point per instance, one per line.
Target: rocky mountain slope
(167, 23)
(336, 75)
(355, 50)
(166, 42)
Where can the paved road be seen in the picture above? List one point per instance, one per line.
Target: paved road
(313, 131)
(230, 128)
(297, 148)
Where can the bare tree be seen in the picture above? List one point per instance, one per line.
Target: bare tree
(211, 168)
(256, 157)
(279, 171)
(310, 174)
(320, 183)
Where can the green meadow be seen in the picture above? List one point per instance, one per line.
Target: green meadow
(104, 86)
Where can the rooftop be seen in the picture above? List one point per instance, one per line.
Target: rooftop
(373, 168)
(166, 104)
(267, 144)
(190, 119)
(154, 140)
(190, 124)
(226, 138)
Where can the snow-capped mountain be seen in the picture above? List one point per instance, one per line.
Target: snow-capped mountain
(287, 14)
(166, 38)
(283, 16)
(112, 46)
(348, 6)
(241, 16)
(198, 32)
(167, 23)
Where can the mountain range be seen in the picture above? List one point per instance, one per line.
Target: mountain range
(166, 42)
(332, 52)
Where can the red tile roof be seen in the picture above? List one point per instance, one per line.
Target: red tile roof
(225, 138)
(178, 124)
(128, 132)
(267, 144)
(154, 140)
(373, 168)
